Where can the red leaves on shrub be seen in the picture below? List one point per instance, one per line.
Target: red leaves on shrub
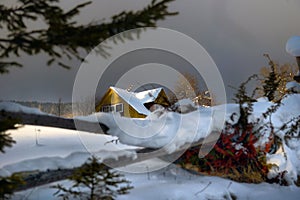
(234, 152)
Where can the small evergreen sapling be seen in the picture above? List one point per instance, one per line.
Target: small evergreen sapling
(245, 103)
(271, 82)
(94, 180)
(273, 79)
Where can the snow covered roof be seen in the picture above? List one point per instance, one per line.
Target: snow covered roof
(293, 46)
(137, 100)
(293, 86)
(148, 95)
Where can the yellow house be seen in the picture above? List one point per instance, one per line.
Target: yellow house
(132, 104)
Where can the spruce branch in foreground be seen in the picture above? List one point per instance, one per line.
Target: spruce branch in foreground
(61, 36)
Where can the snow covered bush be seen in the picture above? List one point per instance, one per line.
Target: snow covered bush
(234, 156)
(184, 106)
(285, 162)
(94, 180)
(256, 147)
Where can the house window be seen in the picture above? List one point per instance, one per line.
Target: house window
(105, 108)
(113, 108)
(119, 107)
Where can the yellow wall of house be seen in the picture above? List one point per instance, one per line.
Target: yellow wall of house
(133, 113)
(109, 98)
(112, 98)
(162, 99)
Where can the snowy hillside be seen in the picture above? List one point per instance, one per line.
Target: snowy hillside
(43, 148)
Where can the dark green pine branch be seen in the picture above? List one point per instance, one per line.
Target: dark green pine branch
(63, 37)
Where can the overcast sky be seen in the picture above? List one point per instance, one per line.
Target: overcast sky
(236, 33)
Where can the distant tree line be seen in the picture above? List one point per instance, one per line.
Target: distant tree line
(59, 108)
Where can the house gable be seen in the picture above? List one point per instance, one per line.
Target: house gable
(130, 104)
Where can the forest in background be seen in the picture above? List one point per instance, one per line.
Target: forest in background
(60, 108)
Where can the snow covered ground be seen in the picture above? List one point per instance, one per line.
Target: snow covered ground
(64, 148)
(42, 148)
(173, 183)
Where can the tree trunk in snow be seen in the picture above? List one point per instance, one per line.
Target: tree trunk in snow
(54, 121)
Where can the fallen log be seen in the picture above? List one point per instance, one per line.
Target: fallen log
(54, 121)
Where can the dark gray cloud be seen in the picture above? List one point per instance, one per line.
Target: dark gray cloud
(236, 33)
